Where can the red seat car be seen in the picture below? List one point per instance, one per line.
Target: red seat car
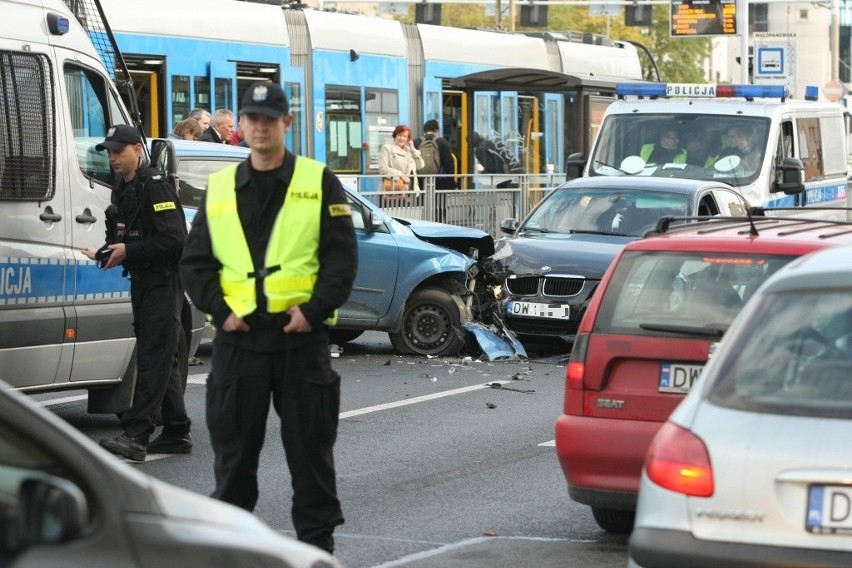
(646, 335)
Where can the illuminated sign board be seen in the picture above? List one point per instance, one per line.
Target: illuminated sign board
(703, 18)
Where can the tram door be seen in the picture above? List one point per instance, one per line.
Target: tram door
(551, 147)
(529, 134)
(453, 121)
(148, 76)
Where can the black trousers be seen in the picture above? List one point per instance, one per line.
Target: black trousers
(156, 296)
(305, 393)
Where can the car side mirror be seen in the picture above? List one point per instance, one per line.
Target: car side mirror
(790, 176)
(509, 226)
(376, 222)
(49, 510)
(574, 165)
(163, 158)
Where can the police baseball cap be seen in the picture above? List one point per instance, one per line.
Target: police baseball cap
(265, 98)
(118, 137)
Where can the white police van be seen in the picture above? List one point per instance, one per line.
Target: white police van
(799, 146)
(64, 323)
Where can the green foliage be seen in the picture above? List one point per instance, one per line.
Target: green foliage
(678, 59)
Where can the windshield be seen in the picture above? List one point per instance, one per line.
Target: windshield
(694, 146)
(693, 293)
(604, 210)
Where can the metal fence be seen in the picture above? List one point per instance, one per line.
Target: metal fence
(492, 198)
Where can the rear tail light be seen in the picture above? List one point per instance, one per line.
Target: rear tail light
(577, 363)
(678, 460)
(574, 375)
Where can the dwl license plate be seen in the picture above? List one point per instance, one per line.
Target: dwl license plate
(678, 378)
(829, 509)
(538, 310)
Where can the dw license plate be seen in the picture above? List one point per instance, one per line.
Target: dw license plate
(538, 310)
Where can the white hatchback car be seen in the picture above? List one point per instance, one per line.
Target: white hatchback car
(754, 468)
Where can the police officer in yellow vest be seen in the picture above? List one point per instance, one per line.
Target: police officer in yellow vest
(667, 151)
(270, 257)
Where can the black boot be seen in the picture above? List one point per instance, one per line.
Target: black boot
(130, 447)
(168, 444)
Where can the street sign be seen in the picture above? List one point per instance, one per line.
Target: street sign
(691, 18)
(833, 91)
(775, 59)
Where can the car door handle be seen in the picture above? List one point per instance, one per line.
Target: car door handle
(48, 216)
(85, 218)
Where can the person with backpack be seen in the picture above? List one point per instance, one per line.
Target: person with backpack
(437, 157)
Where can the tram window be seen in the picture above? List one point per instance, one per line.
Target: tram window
(202, 93)
(87, 97)
(180, 98)
(224, 98)
(294, 134)
(343, 139)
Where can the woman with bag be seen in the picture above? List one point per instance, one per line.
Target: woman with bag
(398, 163)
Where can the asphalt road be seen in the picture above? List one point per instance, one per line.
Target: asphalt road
(436, 466)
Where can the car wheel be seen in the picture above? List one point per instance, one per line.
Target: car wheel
(429, 324)
(344, 335)
(614, 520)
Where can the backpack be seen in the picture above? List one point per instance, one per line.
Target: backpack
(431, 157)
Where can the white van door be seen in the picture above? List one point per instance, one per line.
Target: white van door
(101, 309)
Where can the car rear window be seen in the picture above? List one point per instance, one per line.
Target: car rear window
(794, 358)
(690, 293)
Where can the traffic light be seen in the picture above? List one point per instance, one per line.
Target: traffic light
(637, 15)
(428, 14)
(533, 15)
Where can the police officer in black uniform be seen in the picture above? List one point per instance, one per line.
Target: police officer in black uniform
(271, 256)
(146, 233)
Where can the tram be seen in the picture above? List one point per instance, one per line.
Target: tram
(535, 98)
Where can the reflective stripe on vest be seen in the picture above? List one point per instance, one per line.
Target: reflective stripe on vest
(648, 149)
(292, 255)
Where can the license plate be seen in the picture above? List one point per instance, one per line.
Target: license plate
(678, 378)
(537, 310)
(829, 509)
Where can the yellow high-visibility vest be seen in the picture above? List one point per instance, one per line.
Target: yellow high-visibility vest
(291, 260)
(647, 149)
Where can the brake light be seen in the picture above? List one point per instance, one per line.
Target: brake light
(678, 460)
(576, 371)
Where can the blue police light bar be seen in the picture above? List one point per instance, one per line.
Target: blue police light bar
(811, 93)
(689, 90)
(640, 89)
(58, 25)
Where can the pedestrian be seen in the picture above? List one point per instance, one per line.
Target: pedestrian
(202, 116)
(271, 256)
(437, 157)
(221, 127)
(187, 129)
(146, 231)
(399, 161)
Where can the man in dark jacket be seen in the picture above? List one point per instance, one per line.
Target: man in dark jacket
(271, 256)
(149, 234)
(446, 163)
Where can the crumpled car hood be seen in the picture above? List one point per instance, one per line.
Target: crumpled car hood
(453, 237)
(580, 255)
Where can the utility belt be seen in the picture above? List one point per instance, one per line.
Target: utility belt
(259, 320)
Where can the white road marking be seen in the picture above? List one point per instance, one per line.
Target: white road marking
(201, 379)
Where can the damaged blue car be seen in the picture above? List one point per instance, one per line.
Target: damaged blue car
(416, 279)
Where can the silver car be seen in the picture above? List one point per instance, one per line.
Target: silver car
(64, 501)
(754, 468)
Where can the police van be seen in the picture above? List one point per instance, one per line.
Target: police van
(64, 323)
(779, 152)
